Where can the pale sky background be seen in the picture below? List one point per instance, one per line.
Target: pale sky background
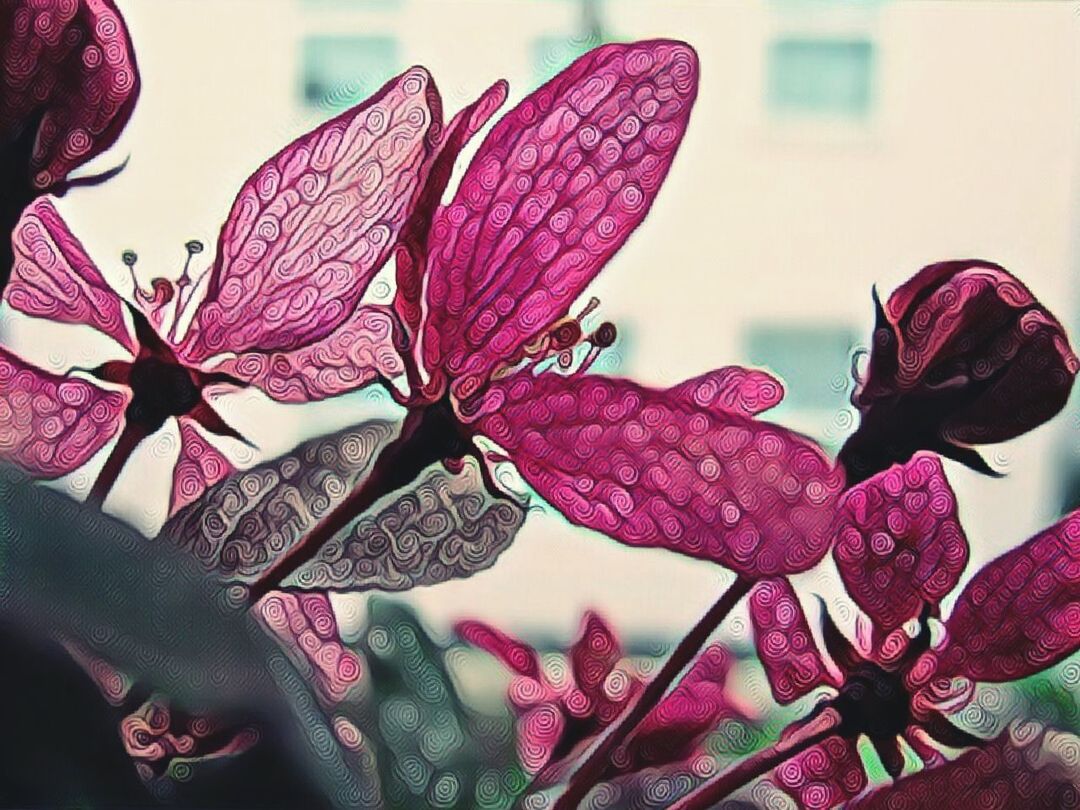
(833, 146)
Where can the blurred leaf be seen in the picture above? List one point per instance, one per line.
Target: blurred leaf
(69, 572)
(433, 751)
(442, 527)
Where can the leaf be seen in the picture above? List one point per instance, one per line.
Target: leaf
(441, 527)
(152, 612)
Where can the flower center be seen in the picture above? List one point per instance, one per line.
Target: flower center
(160, 389)
(873, 701)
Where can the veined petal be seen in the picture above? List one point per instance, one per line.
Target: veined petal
(348, 358)
(51, 425)
(646, 468)
(71, 64)
(306, 625)
(539, 732)
(313, 225)
(556, 188)
(732, 389)
(1020, 613)
(823, 776)
(517, 655)
(900, 543)
(784, 643)
(200, 465)
(53, 277)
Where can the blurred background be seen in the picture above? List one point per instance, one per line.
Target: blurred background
(834, 146)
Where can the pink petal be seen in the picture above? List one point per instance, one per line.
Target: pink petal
(555, 189)
(411, 256)
(199, 466)
(784, 643)
(646, 468)
(900, 542)
(672, 731)
(53, 278)
(593, 656)
(539, 731)
(52, 425)
(1020, 613)
(732, 389)
(351, 356)
(824, 776)
(517, 655)
(73, 62)
(313, 225)
(306, 625)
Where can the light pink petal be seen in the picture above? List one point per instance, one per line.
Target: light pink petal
(672, 731)
(52, 425)
(554, 191)
(517, 655)
(53, 278)
(313, 225)
(306, 625)
(593, 656)
(1021, 612)
(732, 389)
(784, 643)
(642, 466)
(538, 733)
(351, 356)
(199, 466)
(824, 776)
(412, 252)
(900, 543)
(72, 63)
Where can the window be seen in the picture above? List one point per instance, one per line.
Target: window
(339, 71)
(831, 77)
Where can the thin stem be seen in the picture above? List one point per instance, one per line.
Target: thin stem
(130, 436)
(599, 761)
(818, 729)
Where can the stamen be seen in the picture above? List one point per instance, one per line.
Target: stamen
(129, 257)
(184, 287)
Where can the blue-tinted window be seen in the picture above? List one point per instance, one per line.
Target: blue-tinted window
(339, 71)
(833, 77)
(813, 361)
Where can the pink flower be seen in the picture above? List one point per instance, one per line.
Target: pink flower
(69, 85)
(278, 308)
(560, 713)
(485, 285)
(900, 553)
(1026, 766)
(963, 354)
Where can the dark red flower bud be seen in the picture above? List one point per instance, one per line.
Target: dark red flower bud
(963, 354)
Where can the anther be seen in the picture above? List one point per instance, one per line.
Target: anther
(194, 246)
(129, 257)
(605, 335)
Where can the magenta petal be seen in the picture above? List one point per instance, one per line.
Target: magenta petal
(900, 542)
(824, 776)
(306, 625)
(539, 731)
(199, 466)
(72, 63)
(52, 425)
(784, 643)
(313, 225)
(593, 657)
(517, 655)
(53, 278)
(554, 191)
(732, 389)
(672, 731)
(351, 356)
(411, 256)
(642, 466)
(1020, 613)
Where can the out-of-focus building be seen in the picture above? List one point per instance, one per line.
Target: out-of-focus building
(835, 145)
